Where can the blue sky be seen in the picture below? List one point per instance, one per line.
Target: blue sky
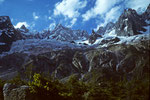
(77, 14)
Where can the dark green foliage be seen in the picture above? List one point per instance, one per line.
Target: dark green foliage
(17, 80)
(1, 89)
(77, 90)
(42, 88)
(47, 89)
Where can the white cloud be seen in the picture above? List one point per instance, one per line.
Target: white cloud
(35, 16)
(112, 15)
(49, 18)
(52, 26)
(1, 1)
(135, 4)
(72, 22)
(101, 7)
(19, 24)
(69, 8)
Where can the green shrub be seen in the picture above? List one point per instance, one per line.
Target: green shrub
(73, 89)
(46, 89)
(121, 90)
(76, 88)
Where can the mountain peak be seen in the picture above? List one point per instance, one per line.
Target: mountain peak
(129, 12)
(24, 29)
(4, 18)
(58, 26)
(66, 34)
(146, 15)
(130, 23)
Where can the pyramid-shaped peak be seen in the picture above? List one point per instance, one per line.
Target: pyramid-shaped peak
(23, 27)
(59, 26)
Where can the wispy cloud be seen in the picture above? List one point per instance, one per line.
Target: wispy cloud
(72, 22)
(112, 15)
(69, 8)
(19, 24)
(105, 11)
(135, 4)
(101, 7)
(35, 16)
(52, 26)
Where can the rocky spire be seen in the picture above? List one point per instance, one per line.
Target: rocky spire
(130, 23)
(24, 29)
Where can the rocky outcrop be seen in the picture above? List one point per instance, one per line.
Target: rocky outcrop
(23, 29)
(109, 26)
(93, 37)
(8, 34)
(120, 59)
(80, 62)
(106, 29)
(130, 23)
(146, 14)
(109, 41)
(14, 92)
(101, 30)
(54, 63)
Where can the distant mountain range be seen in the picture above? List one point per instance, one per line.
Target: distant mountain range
(129, 23)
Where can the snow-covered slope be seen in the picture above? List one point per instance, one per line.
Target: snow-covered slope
(38, 46)
(111, 38)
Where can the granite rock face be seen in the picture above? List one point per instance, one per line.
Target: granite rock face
(130, 23)
(101, 30)
(14, 92)
(8, 34)
(146, 14)
(106, 29)
(93, 37)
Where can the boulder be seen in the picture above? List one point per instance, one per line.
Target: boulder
(14, 92)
